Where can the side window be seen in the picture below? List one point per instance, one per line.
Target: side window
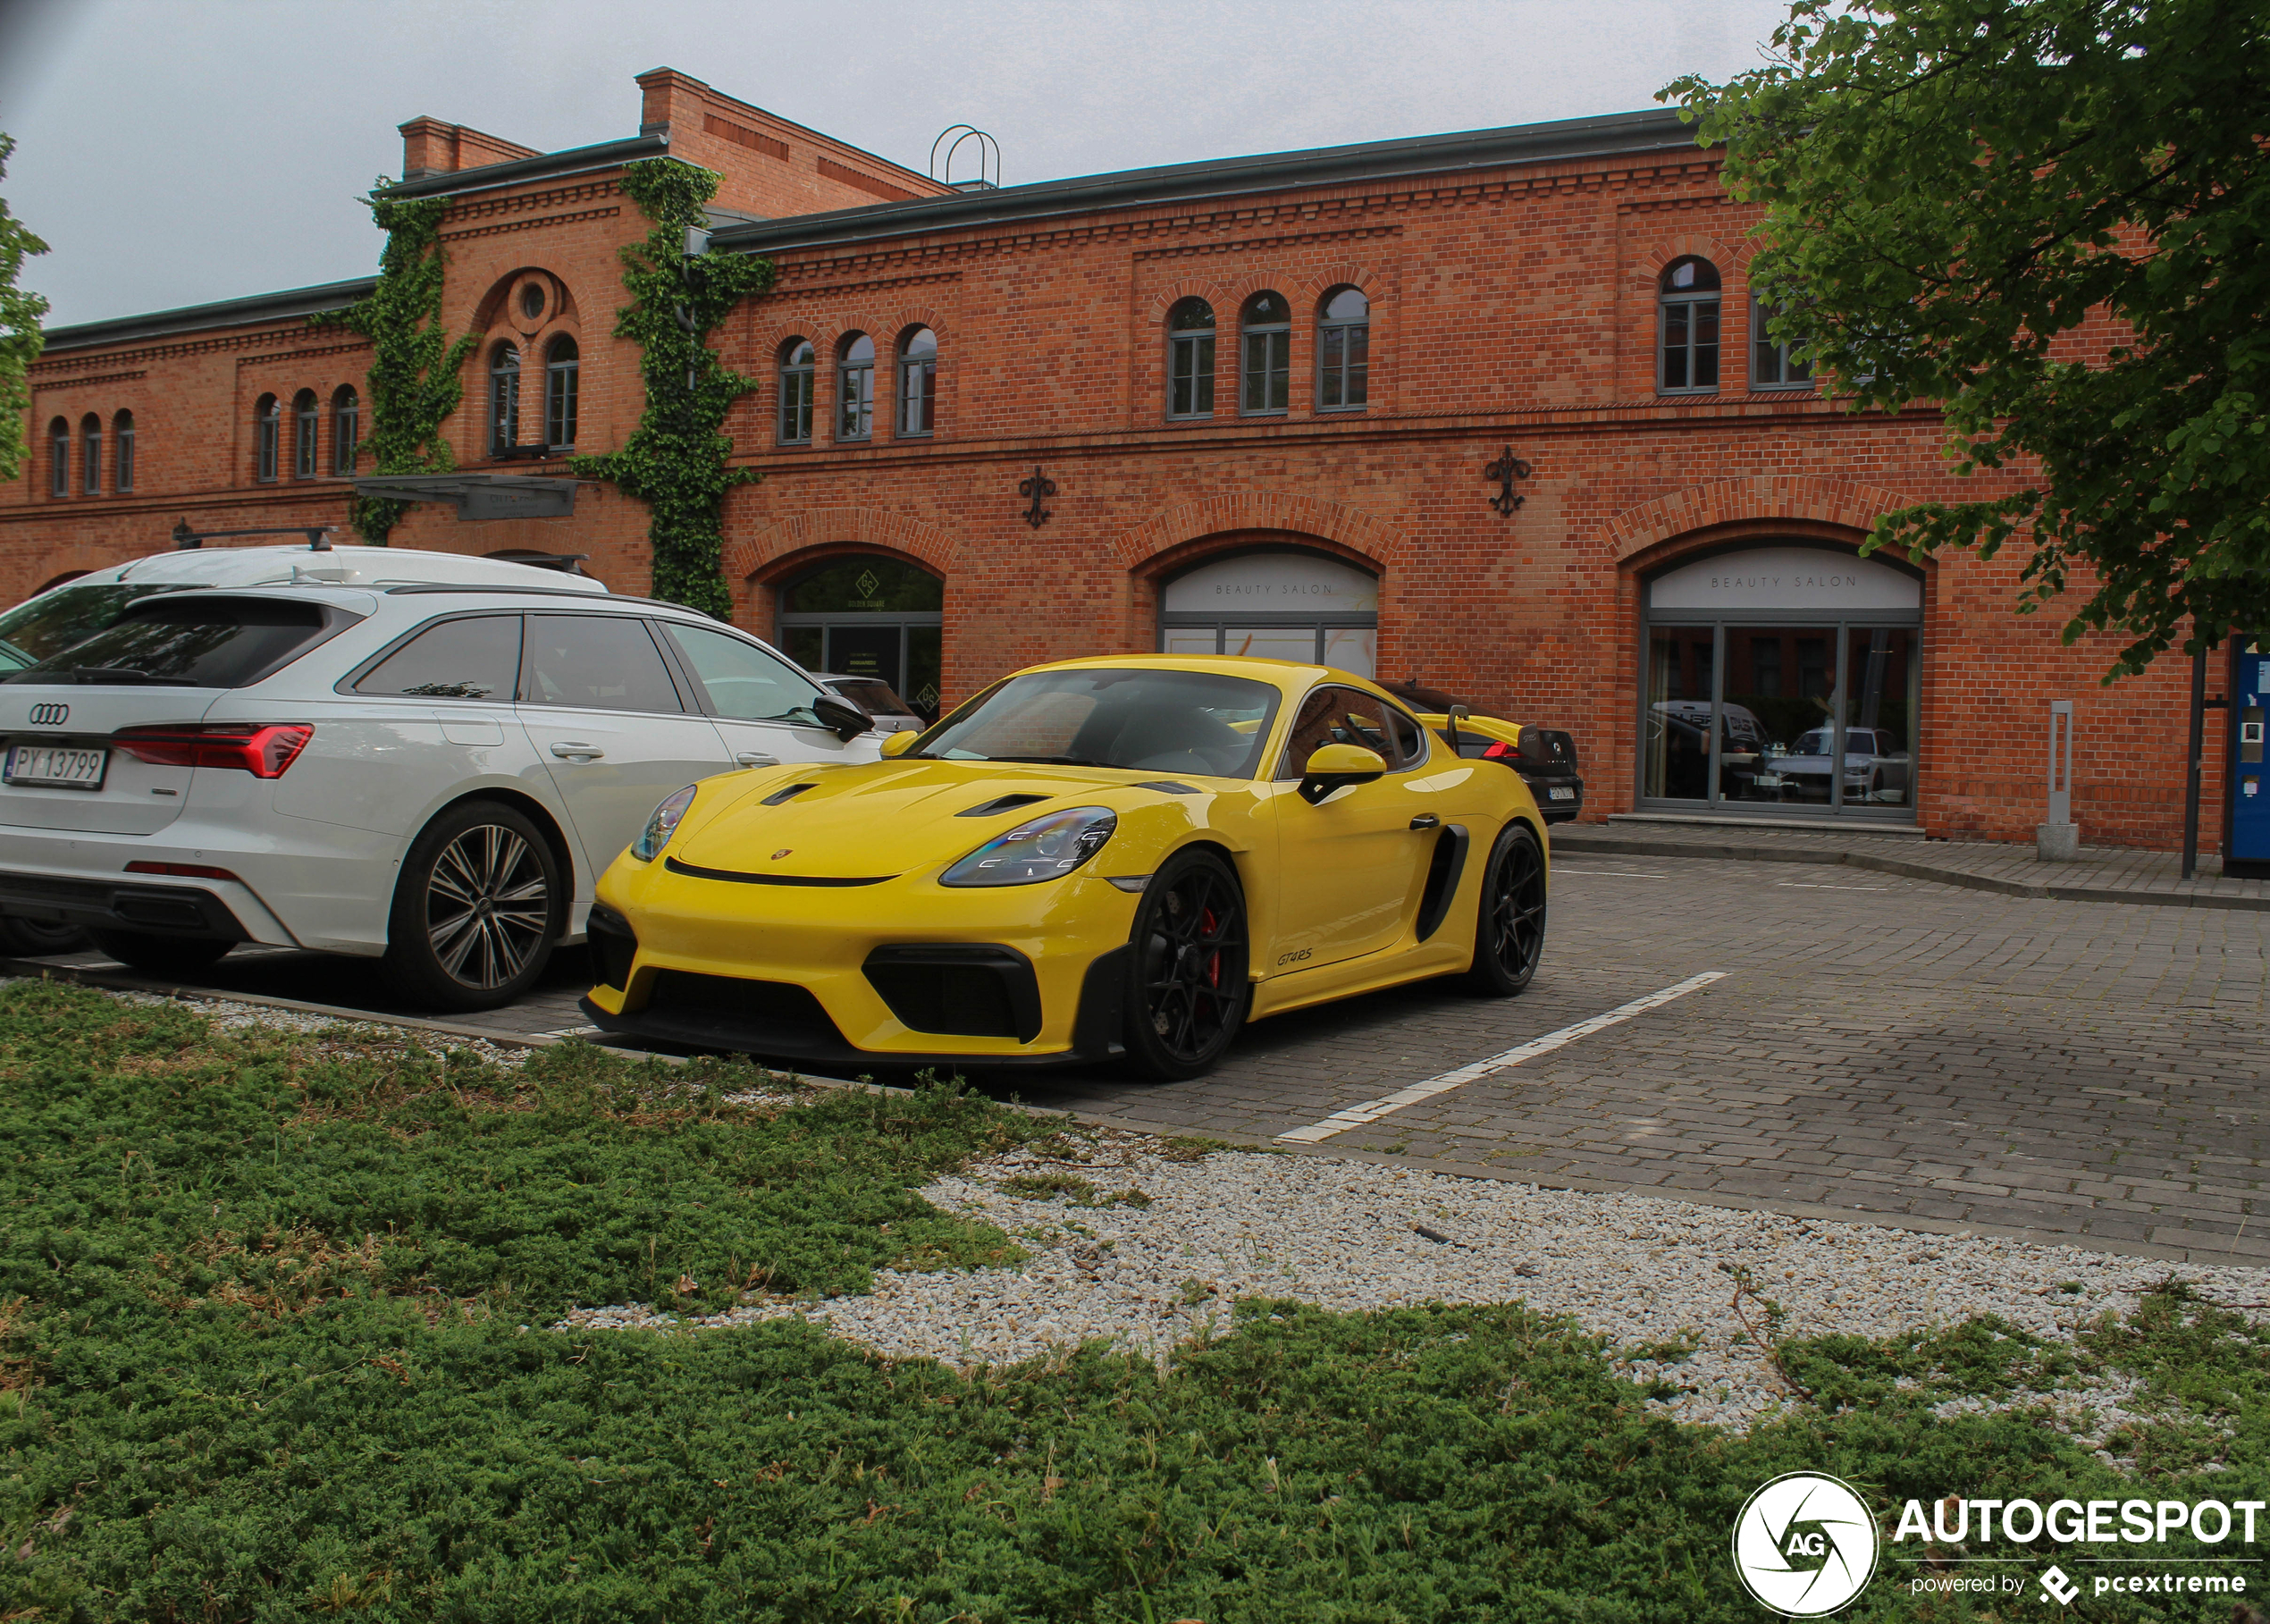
(742, 680)
(1410, 741)
(1341, 716)
(599, 662)
(475, 658)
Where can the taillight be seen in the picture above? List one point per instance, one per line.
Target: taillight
(1500, 752)
(241, 747)
(182, 871)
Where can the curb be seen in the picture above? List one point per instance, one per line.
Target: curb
(1905, 868)
(1813, 1212)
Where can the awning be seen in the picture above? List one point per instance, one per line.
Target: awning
(478, 496)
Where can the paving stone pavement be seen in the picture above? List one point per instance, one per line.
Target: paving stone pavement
(1880, 1046)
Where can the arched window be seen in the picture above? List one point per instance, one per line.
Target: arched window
(561, 364)
(267, 425)
(1189, 359)
(1344, 352)
(504, 399)
(346, 430)
(918, 382)
(1689, 322)
(91, 454)
(1266, 323)
(306, 423)
(797, 364)
(59, 458)
(856, 389)
(121, 433)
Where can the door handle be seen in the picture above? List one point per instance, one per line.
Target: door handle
(569, 750)
(1427, 821)
(757, 758)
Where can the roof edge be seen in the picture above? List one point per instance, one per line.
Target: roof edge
(247, 312)
(544, 166)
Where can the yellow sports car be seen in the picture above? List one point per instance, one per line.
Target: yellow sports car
(1103, 858)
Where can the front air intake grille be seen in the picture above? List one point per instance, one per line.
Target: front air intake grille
(966, 991)
(614, 946)
(763, 1016)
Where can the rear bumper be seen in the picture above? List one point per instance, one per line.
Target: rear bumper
(119, 904)
(1555, 809)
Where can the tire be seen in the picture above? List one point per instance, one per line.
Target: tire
(161, 955)
(1509, 926)
(477, 911)
(38, 939)
(1187, 993)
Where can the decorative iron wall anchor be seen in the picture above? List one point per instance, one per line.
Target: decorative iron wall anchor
(1037, 487)
(1506, 471)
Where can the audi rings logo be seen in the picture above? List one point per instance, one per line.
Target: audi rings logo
(49, 716)
(1805, 1544)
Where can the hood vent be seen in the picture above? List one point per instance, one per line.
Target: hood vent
(789, 793)
(1004, 803)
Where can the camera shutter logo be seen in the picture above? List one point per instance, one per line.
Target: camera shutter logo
(1805, 1544)
(49, 716)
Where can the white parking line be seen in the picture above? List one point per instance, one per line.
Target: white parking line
(1562, 871)
(1808, 885)
(1371, 1111)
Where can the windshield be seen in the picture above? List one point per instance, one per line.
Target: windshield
(880, 698)
(1147, 721)
(1815, 743)
(45, 626)
(197, 641)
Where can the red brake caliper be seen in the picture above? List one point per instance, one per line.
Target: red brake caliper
(1214, 959)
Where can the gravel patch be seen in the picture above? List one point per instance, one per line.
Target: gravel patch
(1348, 1236)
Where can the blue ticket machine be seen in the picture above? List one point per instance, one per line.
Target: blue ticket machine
(2249, 852)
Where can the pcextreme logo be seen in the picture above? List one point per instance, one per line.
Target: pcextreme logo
(1805, 1544)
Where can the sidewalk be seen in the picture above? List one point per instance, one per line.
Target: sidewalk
(2100, 874)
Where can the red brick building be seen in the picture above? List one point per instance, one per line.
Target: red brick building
(1489, 409)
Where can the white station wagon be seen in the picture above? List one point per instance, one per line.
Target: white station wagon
(338, 754)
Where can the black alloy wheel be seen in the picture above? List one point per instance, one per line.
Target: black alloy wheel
(1509, 928)
(476, 910)
(160, 955)
(1189, 992)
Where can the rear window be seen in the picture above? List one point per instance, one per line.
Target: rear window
(53, 621)
(195, 641)
(477, 657)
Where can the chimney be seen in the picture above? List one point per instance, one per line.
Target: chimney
(668, 96)
(429, 147)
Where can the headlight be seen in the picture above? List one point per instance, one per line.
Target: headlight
(661, 825)
(1046, 848)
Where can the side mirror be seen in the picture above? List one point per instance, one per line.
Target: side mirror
(1337, 766)
(900, 742)
(845, 720)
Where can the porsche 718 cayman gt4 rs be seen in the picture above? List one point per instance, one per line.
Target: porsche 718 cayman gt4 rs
(1117, 857)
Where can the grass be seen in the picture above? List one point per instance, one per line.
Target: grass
(272, 1343)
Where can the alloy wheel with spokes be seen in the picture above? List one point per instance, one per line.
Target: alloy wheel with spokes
(1189, 992)
(477, 909)
(1509, 927)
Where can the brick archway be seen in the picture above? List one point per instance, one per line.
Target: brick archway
(1167, 540)
(1643, 534)
(756, 560)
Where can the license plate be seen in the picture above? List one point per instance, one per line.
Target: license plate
(1561, 793)
(51, 768)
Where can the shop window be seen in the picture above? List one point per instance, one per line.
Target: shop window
(856, 389)
(876, 619)
(1189, 359)
(560, 385)
(1772, 366)
(918, 384)
(1687, 316)
(1273, 603)
(1265, 371)
(59, 458)
(122, 431)
(1344, 352)
(306, 422)
(504, 399)
(797, 364)
(346, 430)
(267, 429)
(91, 454)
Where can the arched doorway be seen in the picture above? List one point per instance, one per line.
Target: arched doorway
(1782, 678)
(1278, 603)
(866, 616)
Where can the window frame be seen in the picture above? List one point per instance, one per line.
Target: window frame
(686, 704)
(563, 391)
(307, 435)
(1275, 357)
(1762, 343)
(345, 429)
(90, 455)
(122, 461)
(267, 429)
(59, 458)
(854, 389)
(913, 367)
(1341, 371)
(1690, 304)
(504, 397)
(799, 390)
(1191, 358)
(350, 685)
(1291, 771)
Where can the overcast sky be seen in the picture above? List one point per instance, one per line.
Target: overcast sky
(176, 151)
